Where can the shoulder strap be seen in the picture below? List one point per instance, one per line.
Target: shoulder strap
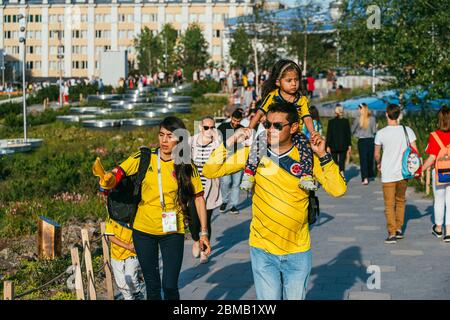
(144, 162)
(406, 135)
(438, 140)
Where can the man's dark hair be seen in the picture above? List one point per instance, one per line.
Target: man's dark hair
(286, 107)
(237, 114)
(393, 111)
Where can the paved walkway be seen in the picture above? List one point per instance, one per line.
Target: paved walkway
(349, 239)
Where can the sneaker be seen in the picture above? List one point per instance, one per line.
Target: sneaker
(438, 234)
(196, 249)
(447, 238)
(234, 210)
(391, 239)
(399, 234)
(248, 181)
(203, 257)
(223, 207)
(307, 183)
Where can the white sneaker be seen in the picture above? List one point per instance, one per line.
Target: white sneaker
(203, 257)
(196, 249)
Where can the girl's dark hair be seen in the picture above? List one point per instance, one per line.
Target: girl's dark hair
(279, 68)
(183, 169)
(444, 118)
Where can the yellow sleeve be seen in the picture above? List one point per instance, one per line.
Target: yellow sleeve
(131, 165)
(196, 181)
(268, 100)
(303, 104)
(330, 178)
(221, 163)
(109, 228)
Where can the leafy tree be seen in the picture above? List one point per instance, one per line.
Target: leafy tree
(193, 50)
(168, 39)
(240, 47)
(149, 51)
(412, 41)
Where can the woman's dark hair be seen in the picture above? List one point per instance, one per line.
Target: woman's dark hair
(278, 70)
(183, 169)
(314, 113)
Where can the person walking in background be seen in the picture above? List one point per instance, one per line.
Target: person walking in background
(229, 184)
(316, 122)
(393, 141)
(438, 141)
(310, 85)
(339, 137)
(202, 145)
(365, 129)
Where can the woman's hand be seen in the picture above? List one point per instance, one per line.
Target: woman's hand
(205, 245)
(240, 135)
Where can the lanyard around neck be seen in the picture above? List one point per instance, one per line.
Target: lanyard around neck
(161, 195)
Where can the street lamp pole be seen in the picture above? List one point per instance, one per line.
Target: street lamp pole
(373, 66)
(60, 57)
(22, 39)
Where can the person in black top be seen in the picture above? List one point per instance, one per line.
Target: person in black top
(229, 185)
(339, 141)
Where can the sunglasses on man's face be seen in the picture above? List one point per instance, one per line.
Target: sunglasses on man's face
(277, 125)
(206, 128)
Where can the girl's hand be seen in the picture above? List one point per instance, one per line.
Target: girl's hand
(205, 245)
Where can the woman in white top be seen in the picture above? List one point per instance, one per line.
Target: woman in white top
(202, 145)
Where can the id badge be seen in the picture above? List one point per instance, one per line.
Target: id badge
(169, 221)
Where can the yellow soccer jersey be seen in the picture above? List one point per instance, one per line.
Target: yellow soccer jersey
(280, 208)
(149, 214)
(122, 233)
(302, 105)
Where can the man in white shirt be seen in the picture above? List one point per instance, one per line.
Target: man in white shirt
(392, 139)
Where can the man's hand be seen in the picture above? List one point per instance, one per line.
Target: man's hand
(318, 145)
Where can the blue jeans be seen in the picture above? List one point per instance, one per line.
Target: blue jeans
(234, 180)
(280, 277)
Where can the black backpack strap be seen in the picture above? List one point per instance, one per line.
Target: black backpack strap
(406, 135)
(144, 162)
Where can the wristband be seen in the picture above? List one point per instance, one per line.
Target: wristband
(204, 233)
(325, 159)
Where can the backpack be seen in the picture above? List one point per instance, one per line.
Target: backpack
(123, 200)
(442, 163)
(411, 161)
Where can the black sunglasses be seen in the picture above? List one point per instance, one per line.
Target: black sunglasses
(206, 128)
(277, 125)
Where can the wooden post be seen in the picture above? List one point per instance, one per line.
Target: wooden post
(49, 238)
(88, 262)
(8, 290)
(427, 181)
(107, 262)
(78, 278)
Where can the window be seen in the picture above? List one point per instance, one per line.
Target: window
(193, 17)
(37, 35)
(30, 34)
(53, 34)
(130, 34)
(169, 18)
(30, 64)
(216, 50)
(217, 17)
(7, 19)
(201, 18)
(152, 17)
(98, 33)
(13, 50)
(216, 33)
(14, 18)
(7, 34)
(107, 18)
(98, 50)
(122, 17)
(96, 65)
(83, 18)
(106, 48)
(79, 34)
(37, 65)
(130, 18)
(53, 50)
(75, 64)
(38, 18)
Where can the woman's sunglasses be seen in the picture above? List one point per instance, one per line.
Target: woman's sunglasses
(206, 128)
(277, 125)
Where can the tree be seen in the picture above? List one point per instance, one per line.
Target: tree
(411, 41)
(240, 47)
(149, 51)
(168, 38)
(193, 50)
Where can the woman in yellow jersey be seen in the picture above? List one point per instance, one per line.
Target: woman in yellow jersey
(170, 183)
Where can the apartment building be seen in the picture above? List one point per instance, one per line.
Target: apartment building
(84, 28)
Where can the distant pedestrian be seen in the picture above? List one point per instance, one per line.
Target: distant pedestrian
(339, 138)
(365, 129)
(393, 141)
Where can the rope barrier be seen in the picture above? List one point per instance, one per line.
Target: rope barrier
(59, 276)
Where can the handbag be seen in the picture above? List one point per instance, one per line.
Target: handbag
(313, 208)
